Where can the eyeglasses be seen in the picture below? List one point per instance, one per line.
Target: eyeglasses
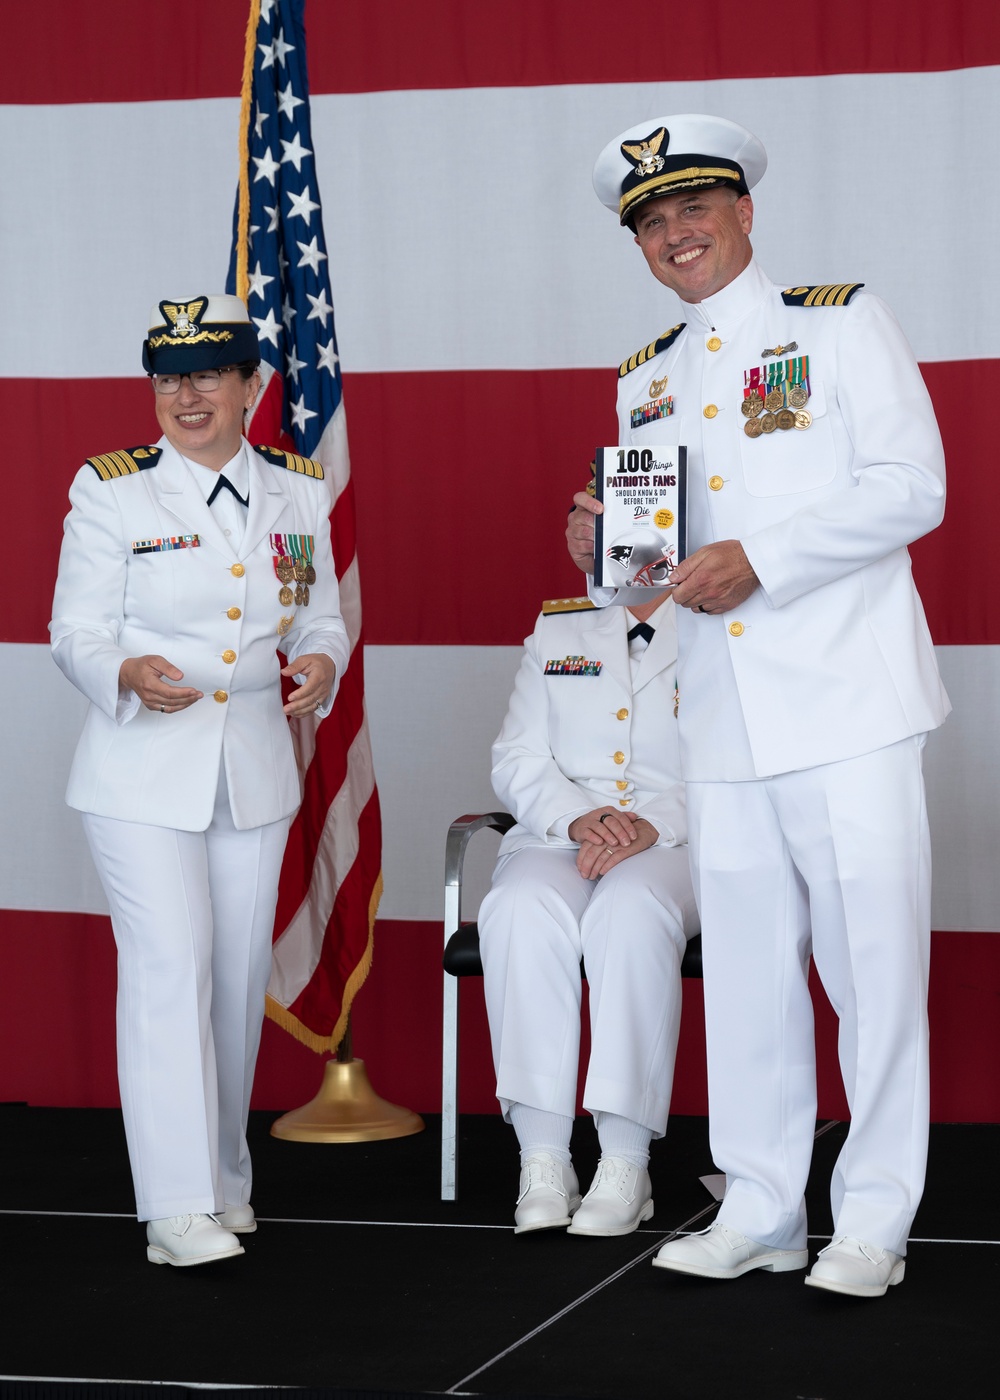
(204, 380)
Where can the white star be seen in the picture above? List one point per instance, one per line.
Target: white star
(327, 357)
(258, 281)
(294, 365)
(287, 102)
(258, 125)
(301, 414)
(311, 255)
(268, 51)
(266, 166)
(272, 226)
(266, 6)
(282, 263)
(295, 151)
(254, 228)
(268, 328)
(281, 48)
(301, 205)
(288, 311)
(321, 308)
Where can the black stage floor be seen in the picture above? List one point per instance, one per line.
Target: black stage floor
(361, 1282)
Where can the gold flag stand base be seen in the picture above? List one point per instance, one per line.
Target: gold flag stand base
(347, 1108)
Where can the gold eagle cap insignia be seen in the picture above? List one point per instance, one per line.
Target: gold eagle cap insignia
(645, 155)
(184, 316)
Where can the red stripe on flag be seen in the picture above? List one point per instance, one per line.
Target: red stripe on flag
(124, 51)
(348, 959)
(441, 484)
(323, 779)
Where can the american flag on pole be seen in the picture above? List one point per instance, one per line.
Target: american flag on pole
(331, 880)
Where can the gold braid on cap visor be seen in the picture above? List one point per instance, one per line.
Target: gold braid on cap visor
(694, 175)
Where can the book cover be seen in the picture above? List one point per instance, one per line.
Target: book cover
(641, 535)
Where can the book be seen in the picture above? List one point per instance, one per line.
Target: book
(641, 535)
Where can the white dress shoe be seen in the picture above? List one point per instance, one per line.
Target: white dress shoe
(619, 1199)
(849, 1265)
(549, 1194)
(239, 1220)
(184, 1240)
(720, 1252)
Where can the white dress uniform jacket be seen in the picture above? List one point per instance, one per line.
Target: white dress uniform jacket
(573, 742)
(208, 607)
(582, 733)
(831, 657)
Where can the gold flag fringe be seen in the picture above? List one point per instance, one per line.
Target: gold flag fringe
(327, 1044)
(246, 92)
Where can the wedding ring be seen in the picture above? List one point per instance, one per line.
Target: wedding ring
(611, 850)
(163, 709)
(604, 818)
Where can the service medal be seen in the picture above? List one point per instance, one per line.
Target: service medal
(786, 419)
(774, 401)
(767, 422)
(283, 568)
(298, 595)
(752, 405)
(798, 396)
(310, 575)
(300, 571)
(752, 427)
(285, 596)
(803, 418)
(305, 595)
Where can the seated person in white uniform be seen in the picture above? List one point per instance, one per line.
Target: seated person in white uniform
(595, 869)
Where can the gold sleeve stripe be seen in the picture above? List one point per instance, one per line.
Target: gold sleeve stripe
(828, 294)
(566, 605)
(650, 351)
(305, 466)
(112, 465)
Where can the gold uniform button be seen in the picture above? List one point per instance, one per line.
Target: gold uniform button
(714, 343)
(624, 801)
(710, 410)
(621, 784)
(736, 629)
(229, 657)
(237, 571)
(622, 714)
(221, 696)
(234, 613)
(715, 483)
(619, 757)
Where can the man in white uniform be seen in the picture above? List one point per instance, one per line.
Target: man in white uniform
(809, 681)
(185, 566)
(596, 869)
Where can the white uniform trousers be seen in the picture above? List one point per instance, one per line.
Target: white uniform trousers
(193, 916)
(835, 859)
(631, 927)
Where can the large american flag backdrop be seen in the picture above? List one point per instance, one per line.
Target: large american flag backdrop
(484, 299)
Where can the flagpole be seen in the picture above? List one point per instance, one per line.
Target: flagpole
(331, 878)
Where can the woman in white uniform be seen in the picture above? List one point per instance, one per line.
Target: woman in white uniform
(185, 566)
(595, 869)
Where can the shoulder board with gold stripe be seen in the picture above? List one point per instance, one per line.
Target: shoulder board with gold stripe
(291, 461)
(829, 294)
(113, 465)
(648, 351)
(566, 605)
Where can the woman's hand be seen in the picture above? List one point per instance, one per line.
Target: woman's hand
(318, 673)
(147, 676)
(607, 838)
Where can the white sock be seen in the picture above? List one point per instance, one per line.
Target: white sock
(539, 1131)
(620, 1137)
